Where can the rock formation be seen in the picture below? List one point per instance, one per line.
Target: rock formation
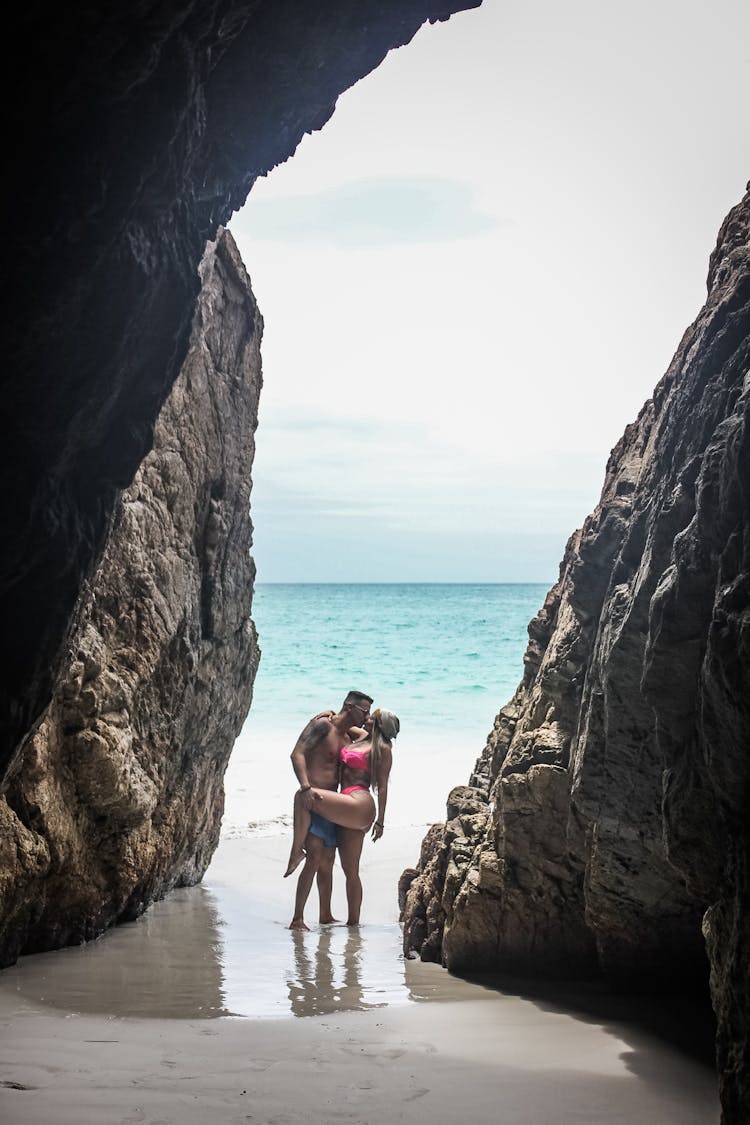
(608, 814)
(132, 132)
(118, 794)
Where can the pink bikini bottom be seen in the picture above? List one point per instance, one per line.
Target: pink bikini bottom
(352, 788)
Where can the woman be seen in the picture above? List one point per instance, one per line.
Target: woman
(365, 764)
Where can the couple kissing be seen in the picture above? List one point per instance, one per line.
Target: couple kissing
(340, 759)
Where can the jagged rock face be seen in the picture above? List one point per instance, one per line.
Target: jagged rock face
(118, 794)
(617, 776)
(135, 131)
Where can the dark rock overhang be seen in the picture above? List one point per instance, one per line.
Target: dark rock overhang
(135, 131)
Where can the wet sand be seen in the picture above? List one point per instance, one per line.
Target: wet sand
(209, 1009)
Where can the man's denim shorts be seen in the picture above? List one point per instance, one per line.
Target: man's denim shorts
(319, 826)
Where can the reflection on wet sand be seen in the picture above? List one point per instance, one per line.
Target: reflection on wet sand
(328, 974)
(201, 955)
(167, 964)
(224, 949)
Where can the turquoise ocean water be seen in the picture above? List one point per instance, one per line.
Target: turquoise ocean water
(445, 658)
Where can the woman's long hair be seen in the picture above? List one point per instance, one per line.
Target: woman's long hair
(385, 728)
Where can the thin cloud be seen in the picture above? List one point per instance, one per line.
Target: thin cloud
(285, 420)
(386, 211)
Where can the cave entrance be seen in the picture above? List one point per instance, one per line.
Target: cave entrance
(449, 274)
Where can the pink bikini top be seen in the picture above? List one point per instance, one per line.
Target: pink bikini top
(355, 759)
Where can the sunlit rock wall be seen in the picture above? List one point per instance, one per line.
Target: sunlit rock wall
(118, 795)
(614, 786)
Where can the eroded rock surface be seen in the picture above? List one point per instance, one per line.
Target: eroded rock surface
(118, 795)
(617, 776)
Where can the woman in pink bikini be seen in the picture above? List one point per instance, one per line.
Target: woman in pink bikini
(365, 765)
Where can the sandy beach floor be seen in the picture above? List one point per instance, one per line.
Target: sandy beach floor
(208, 1010)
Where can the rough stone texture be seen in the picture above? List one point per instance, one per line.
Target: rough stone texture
(132, 132)
(618, 773)
(118, 795)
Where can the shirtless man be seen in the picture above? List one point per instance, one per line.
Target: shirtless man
(315, 760)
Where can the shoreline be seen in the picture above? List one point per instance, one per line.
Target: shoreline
(207, 1005)
(259, 783)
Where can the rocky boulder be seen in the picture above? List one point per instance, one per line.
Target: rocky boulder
(117, 796)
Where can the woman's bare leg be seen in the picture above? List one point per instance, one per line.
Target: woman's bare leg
(350, 810)
(350, 849)
(299, 834)
(314, 855)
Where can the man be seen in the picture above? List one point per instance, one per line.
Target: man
(315, 760)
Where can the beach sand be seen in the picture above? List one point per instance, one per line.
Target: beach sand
(209, 1010)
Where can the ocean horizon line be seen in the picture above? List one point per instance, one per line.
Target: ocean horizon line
(335, 582)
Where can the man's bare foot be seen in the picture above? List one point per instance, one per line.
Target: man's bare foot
(350, 923)
(328, 920)
(298, 924)
(295, 859)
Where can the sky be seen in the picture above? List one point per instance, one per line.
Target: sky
(473, 277)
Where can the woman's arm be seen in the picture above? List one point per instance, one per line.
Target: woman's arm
(386, 761)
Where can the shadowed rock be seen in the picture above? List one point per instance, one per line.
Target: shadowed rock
(134, 131)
